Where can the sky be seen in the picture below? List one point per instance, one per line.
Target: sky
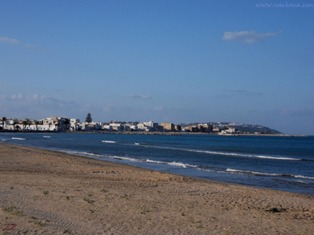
(181, 61)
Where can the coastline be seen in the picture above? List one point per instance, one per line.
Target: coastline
(157, 133)
(51, 192)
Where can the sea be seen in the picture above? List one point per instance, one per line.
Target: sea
(283, 163)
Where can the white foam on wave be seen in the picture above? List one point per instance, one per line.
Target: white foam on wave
(130, 159)
(278, 158)
(245, 155)
(82, 154)
(156, 162)
(17, 138)
(304, 177)
(236, 171)
(109, 141)
(126, 158)
(251, 172)
(176, 164)
(46, 136)
(180, 164)
(205, 169)
(94, 155)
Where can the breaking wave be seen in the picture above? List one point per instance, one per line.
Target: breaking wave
(186, 165)
(246, 155)
(129, 159)
(177, 164)
(17, 138)
(82, 154)
(109, 141)
(256, 173)
(125, 158)
(232, 154)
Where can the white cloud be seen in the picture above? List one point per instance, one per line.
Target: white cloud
(17, 97)
(159, 108)
(36, 106)
(239, 93)
(243, 92)
(107, 108)
(247, 36)
(297, 112)
(139, 97)
(9, 40)
(22, 98)
(13, 41)
(35, 96)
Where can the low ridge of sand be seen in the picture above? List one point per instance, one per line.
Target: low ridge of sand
(45, 192)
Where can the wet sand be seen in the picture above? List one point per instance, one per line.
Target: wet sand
(45, 192)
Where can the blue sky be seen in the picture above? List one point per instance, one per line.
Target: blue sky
(241, 61)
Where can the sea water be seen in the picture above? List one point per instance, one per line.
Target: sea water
(278, 162)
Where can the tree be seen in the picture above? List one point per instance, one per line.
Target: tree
(25, 123)
(4, 120)
(88, 118)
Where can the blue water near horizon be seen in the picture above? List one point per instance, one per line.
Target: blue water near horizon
(276, 162)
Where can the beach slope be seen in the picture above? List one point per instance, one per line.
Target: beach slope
(45, 192)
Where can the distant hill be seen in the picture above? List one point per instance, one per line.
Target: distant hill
(248, 128)
(242, 128)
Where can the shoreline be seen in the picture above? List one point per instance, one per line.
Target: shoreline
(156, 133)
(154, 170)
(197, 177)
(54, 192)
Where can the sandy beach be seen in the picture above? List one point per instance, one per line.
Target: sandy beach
(45, 192)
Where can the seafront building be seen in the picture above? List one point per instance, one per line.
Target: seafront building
(167, 126)
(63, 124)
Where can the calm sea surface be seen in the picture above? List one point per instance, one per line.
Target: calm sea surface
(283, 163)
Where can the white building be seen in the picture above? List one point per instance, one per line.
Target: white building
(116, 126)
(55, 124)
(142, 127)
(74, 124)
(90, 126)
(229, 131)
(107, 127)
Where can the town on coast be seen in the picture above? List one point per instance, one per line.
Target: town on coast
(64, 124)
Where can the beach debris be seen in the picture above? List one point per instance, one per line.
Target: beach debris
(277, 210)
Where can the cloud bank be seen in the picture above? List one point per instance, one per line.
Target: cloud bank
(9, 40)
(37, 106)
(13, 41)
(138, 97)
(247, 36)
(239, 93)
